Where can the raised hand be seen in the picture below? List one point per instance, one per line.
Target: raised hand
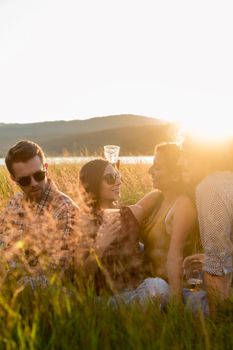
(108, 232)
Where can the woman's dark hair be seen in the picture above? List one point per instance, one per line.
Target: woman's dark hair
(171, 152)
(90, 177)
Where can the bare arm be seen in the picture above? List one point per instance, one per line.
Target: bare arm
(218, 289)
(184, 219)
(145, 206)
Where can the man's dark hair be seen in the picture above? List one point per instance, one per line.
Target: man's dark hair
(23, 151)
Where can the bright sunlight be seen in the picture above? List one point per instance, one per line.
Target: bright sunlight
(210, 130)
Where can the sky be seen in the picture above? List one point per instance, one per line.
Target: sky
(73, 59)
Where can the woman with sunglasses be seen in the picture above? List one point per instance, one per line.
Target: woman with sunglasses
(116, 236)
(100, 182)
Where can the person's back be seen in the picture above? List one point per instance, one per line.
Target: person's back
(214, 194)
(208, 165)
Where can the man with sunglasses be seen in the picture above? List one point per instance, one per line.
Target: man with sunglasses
(39, 202)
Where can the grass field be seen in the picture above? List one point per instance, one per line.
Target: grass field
(54, 318)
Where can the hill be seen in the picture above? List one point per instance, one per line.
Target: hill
(135, 134)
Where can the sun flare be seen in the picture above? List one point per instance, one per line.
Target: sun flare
(210, 130)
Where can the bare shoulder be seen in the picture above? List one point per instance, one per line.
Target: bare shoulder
(150, 197)
(145, 206)
(137, 212)
(153, 194)
(183, 201)
(184, 205)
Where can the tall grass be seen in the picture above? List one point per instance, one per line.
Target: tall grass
(135, 181)
(69, 318)
(56, 319)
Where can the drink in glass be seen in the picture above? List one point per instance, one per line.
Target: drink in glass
(195, 280)
(193, 274)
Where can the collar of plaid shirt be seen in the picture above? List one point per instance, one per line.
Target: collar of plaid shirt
(45, 199)
(37, 207)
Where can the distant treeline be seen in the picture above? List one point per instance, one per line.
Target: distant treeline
(135, 134)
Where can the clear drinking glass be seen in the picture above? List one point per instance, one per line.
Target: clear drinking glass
(111, 153)
(194, 276)
(195, 280)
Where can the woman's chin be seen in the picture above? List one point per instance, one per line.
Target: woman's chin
(116, 193)
(116, 196)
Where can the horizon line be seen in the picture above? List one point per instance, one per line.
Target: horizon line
(89, 118)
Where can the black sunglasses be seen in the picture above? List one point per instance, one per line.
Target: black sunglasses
(111, 178)
(38, 176)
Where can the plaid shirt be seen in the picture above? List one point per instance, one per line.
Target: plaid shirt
(22, 215)
(51, 221)
(214, 200)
